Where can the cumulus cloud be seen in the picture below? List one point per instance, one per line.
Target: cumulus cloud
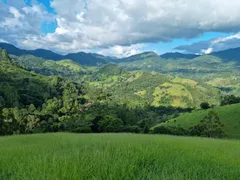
(213, 45)
(207, 51)
(122, 51)
(19, 21)
(88, 24)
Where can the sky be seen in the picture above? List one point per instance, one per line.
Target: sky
(121, 27)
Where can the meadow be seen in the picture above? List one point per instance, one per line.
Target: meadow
(117, 156)
(229, 116)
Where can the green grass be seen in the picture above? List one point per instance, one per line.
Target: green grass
(117, 156)
(229, 116)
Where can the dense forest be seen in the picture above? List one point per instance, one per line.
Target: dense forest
(38, 95)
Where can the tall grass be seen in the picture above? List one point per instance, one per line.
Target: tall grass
(117, 156)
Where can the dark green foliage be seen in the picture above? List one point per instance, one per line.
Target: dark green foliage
(146, 129)
(210, 126)
(111, 124)
(170, 130)
(230, 99)
(205, 105)
(132, 129)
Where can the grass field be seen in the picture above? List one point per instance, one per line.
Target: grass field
(229, 116)
(117, 156)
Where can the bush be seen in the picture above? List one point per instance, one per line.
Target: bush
(82, 130)
(170, 130)
(205, 105)
(230, 99)
(132, 129)
(210, 126)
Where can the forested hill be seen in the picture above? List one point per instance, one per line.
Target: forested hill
(111, 99)
(135, 88)
(33, 103)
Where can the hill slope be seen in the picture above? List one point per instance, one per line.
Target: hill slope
(138, 88)
(63, 68)
(134, 88)
(229, 54)
(229, 116)
(21, 87)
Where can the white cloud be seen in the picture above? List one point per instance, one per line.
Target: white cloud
(206, 51)
(18, 21)
(90, 24)
(122, 51)
(213, 45)
(3, 41)
(15, 13)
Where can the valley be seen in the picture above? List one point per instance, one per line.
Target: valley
(119, 90)
(120, 96)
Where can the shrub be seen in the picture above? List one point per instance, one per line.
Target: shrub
(205, 105)
(170, 130)
(210, 126)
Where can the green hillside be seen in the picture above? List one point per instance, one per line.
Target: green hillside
(20, 87)
(33, 103)
(135, 88)
(64, 68)
(205, 69)
(117, 156)
(138, 88)
(229, 116)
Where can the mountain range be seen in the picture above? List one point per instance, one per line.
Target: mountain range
(93, 59)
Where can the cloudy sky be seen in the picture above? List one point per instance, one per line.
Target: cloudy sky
(121, 27)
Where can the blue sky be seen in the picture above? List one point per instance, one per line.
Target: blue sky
(112, 28)
(163, 47)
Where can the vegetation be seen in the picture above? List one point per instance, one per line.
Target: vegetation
(117, 156)
(205, 105)
(32, 103)
(210, 69)
(105, 99)
(209, 126)
(226, 117)
(230, 99)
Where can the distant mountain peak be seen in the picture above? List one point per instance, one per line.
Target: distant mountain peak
(141, 56)
(149, 53)
(177, 55)
(80, 57)
(232, 54)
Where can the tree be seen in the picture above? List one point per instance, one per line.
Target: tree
(230, 99)
(146, 129)
(2, 102)
(205, 105)
(111, 124)
(31, 108)
(209, 126)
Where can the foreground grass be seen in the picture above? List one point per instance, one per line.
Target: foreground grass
(117, 156)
